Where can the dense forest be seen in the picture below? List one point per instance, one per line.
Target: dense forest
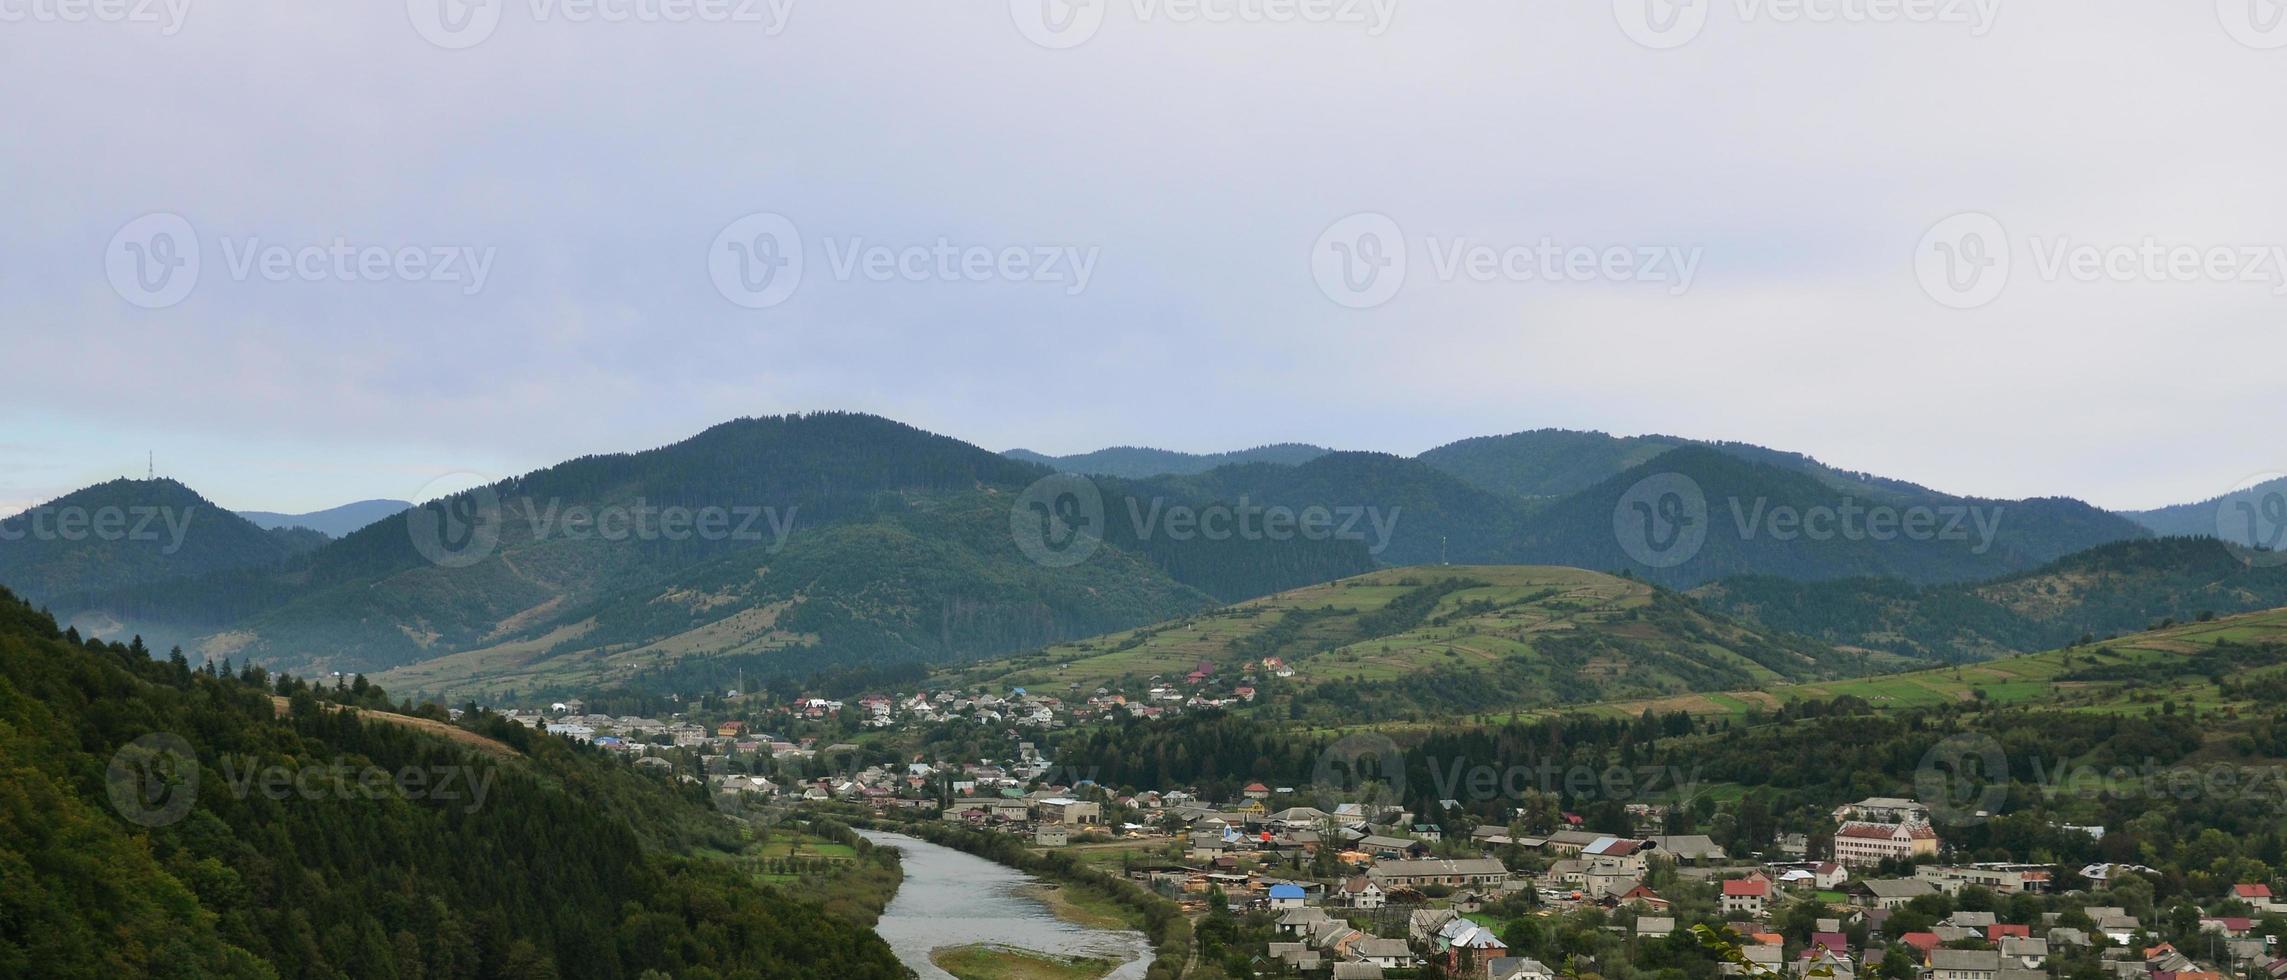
(135, 842)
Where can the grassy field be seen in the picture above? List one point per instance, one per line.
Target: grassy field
(1593, 632)
(2010, 680)
(989, 962)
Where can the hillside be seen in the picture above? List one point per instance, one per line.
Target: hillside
(332, 522)
(127, 533)
(1434, 641)
(138, 841)
(2116, 588)
(846, 539)
(1406, 512)
(1547, 463)
(1135, 462)
(2255, 516)
(1715, 514)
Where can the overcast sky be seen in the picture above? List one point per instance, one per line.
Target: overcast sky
(1301, 228)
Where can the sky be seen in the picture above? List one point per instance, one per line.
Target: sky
(313, 253)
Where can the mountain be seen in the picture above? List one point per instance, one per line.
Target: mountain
(1434, 642)
(1404, 511)
(2113, 589)
(2255, 517)
(129, 533)
(160, 821)
(1697, 513)
(1135, 462)
(333, 522)
(761, 545)
(1549, 463)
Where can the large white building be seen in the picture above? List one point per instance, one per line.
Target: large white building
(1859, 843)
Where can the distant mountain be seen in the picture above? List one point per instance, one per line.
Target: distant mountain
(1406, 511)
(333, 522)
(836, 539)
(1436, 643)
(1136, 463)
(2255, 516)
(129, 533)
(1698, 513)
(1549, 463)
(2113, 589)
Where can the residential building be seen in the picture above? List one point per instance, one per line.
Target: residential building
(1861, 843)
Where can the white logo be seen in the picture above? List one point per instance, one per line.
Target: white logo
(454, 24)
(456, 530)
(1354, 765)
(1360, 261)
(1963, 261)
(1058, 521)
(1963, 779)
(153, 780)
(1058, 24)
(2252, 520)
(153, 261)
(2255, 23)
(1662, 24)
(756, 261)
(1661, 522)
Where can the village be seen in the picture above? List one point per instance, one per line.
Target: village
(1357, 890)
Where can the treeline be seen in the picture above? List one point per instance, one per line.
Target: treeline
(544, 865)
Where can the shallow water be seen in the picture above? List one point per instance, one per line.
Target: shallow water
(954, 899)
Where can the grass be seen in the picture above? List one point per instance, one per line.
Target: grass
(985, 961)
(1083, 907)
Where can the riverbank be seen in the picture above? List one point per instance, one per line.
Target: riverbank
(986, 961)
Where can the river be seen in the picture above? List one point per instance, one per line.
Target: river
(951, 898)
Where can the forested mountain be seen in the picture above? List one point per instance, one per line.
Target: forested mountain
(1434, 642)
(1548, 463)
(332, 522)
(2255, 517)
(129, 533)
(1714, 514)
(2113, 589)
(846, 538)
(1136, 462)
(1407, 512)
(137, 841)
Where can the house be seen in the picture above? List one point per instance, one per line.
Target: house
(1286, 897)
(1883, 809)
(1051, 835)
(1964, 964)
(1518, 968)
(1688, 848)
(1746, 896)
(1891, 893)
(1256, 791)
(1655, 926)
(1480, 872)
(1360, 892)
(1357, 971)
(2257, 895)
(1387, 954)
(1468, 947)
(1860, 843)
(2025, 952)
(1070, 812)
